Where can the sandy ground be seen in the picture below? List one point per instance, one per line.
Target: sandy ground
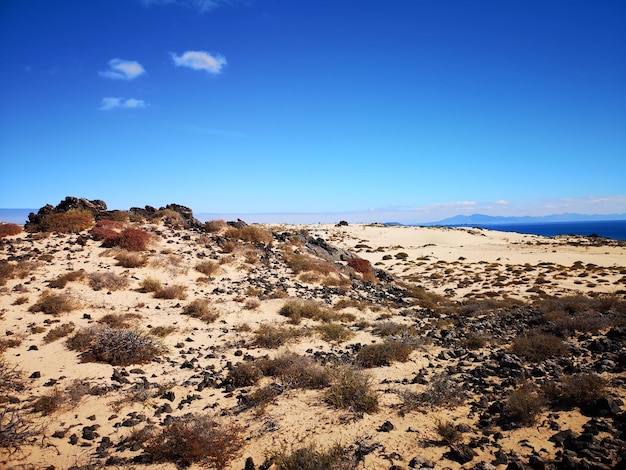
(453, 262)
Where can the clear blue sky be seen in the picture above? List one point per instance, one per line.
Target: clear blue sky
(410, 110)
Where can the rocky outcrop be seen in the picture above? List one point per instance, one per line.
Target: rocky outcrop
(96, 207)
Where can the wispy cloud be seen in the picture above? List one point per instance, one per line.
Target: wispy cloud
(120, 69)
(200, 60)
(110, 103)
(200, 5)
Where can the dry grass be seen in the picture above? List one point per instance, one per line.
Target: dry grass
(131, 259)
(176, 291)
(383, 354)
(59, 332)
(334, 332)
(536, 346)
(207, 267)
(272, 337)
(250, 234)
(8, 229)
(150, 284)
(310, 457)
(295, 371)
(295, 310)
(61, 281)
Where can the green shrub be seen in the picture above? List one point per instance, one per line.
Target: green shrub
(352, 389)
(195, 439)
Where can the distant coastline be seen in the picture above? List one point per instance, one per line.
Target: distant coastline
(613, 229)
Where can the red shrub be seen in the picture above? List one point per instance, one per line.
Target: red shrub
(108, 231)
(360, 265)
(134, 239)
(7, 229)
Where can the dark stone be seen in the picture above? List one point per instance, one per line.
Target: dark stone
(249, 464)
(35, 375)
(386, 427)
(462, 453)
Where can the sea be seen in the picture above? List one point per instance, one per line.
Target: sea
(614, 229)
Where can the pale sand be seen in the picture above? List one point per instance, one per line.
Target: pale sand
(439, 259)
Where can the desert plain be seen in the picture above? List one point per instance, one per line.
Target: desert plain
(228, 345)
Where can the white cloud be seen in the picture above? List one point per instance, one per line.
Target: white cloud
(109, 103)
(123, 70)
(200, 60)
(200, 5)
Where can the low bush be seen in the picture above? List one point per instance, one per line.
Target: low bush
(66, 222)
(352, 389)
(117, 320)
(16, 430)
(213, 226)
(334, 332)
(295, 310)
(383, 354)
(243, 374)
(113, 234)
(195, 439)
(271, 337)
(61, 281)
(537, 346)
(58, 332)
(250, 234)
(207, 267)
(10, 270)
(300, 263)
(150, 284)
(54, 304)
(134, 239)
(524, 404)
(162, 331)
(115, 346)
(7, 229)
(364, 267)
(441, 391)
(295, 371)
(128, 259)
(50, 402)
(176, 291)
(201, 309)
(448, 432)
(309, 457)
(107, 281)
(582, 389)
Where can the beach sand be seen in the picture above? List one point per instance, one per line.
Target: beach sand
(250, 285)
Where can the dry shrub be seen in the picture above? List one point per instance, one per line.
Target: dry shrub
(7, 229)
(107, 281)
(581, 389)
(115, 346)
(150, 284)
(54, 304)
(271, 337)
(448, 432)
(352, 389)
(195, 439)
(201, 309)
(334, 332)
(383, 354)
(50, 402)
(58, 332)
(395, 329)
(309, 457)
(441, 391)
(176, 291)
(425, 299)
(61, 281)
(537, 346)
(300, 263)
(20, 270)
(243, 374)
(16, 430)
(11, 380)
(113, 234)
(128, 259)
(116, 320)
(252, 304)
(295, 310)
(162, 331)
(295, 371)
(207, 267)
(250, 234)
(213, 226)
(66, 222)
(524, 404)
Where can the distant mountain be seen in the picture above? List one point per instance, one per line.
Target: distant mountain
(482, 219)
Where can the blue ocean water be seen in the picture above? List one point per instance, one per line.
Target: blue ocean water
(614, 229)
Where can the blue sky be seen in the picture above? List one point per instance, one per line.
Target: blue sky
(407, 110)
